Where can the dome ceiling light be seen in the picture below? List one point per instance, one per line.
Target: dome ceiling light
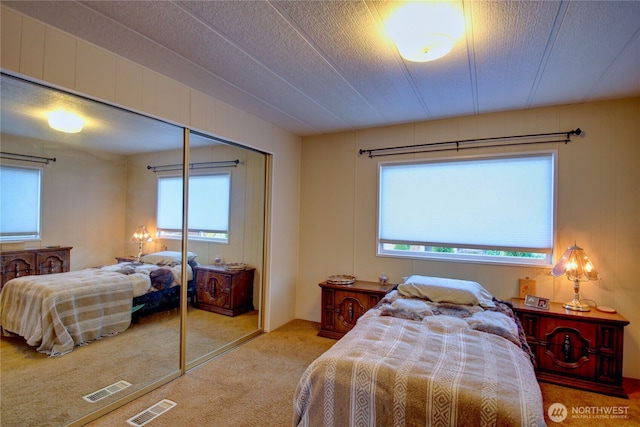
(424, 31)
(65, 121)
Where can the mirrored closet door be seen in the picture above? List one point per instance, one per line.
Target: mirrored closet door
(101, 190)
(226, 229)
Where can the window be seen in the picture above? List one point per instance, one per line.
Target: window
(20, 202)
(483, 209)
(209, 201)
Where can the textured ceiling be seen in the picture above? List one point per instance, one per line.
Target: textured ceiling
(322, 66)
(24, 114)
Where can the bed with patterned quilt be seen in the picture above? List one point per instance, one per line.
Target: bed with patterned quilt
(435, 351)
(57, 312)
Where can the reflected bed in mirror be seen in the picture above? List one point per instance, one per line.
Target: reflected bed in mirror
(94, 196)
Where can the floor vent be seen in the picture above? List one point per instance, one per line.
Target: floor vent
(151, 413)
(107, 391)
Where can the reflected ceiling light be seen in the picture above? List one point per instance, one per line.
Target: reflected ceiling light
(424, 31)
(65, 121)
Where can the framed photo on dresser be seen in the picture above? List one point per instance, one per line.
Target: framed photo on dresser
(538, 302)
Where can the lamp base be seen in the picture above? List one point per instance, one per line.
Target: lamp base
(576, 306)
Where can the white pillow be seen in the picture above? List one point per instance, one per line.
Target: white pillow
(440, 289)
(166, 258)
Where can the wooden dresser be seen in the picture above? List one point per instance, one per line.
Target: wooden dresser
(575, 349)
(342, 305)
(27, 262)
(224, 291)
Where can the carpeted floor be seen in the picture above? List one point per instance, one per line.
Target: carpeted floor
(253, 385)
(593, 409)
(250, 386)
(37, 390)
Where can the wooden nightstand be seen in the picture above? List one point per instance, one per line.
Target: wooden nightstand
(224, 291)
(575, 349)
(342, 305)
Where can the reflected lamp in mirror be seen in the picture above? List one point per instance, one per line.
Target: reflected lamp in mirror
(576, 266)
(141, 236)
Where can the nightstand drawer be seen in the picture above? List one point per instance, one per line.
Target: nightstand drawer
(566, 346)
(575, 349)
(53, 261)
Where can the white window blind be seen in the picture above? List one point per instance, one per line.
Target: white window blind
(209, 202)
(501, 203)
(20, 190)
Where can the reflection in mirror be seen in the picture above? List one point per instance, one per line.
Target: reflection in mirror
(93, 198)
(226, 229)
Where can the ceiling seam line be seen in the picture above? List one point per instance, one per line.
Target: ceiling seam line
(407, 75)
(322, 55)
(620, 54)
(557, 23)
(197, 66)
(210, 28)
(471, 58)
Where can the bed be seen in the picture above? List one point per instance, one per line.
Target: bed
(435, 351)
(57, 312)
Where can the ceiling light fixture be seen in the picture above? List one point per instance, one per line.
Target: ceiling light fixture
(424, 31)
(65, 121)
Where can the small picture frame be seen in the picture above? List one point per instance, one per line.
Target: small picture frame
(537, 302)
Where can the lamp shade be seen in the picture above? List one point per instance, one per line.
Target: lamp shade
(576, 265)
(141, 235)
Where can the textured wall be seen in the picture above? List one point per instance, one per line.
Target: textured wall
(598, 206)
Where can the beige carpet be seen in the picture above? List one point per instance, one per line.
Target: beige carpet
(37, 390)
(253, 385)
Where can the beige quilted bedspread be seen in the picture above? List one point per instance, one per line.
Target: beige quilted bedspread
(390, 371)
(56, 312)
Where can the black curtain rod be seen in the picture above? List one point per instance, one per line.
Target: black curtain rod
(463, 144)
(467, 148)
(195, 166)
(26, 158)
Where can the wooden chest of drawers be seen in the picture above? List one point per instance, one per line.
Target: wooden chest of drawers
(27, 262)
(575, 349)
(342, 305)
(222, 291)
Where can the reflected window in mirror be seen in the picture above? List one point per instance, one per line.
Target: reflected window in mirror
(20, 202)
(209, 198)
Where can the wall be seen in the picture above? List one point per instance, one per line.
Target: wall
(598, 206)
(43, 53)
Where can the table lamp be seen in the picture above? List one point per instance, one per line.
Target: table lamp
(576, 266)
(141, 236)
